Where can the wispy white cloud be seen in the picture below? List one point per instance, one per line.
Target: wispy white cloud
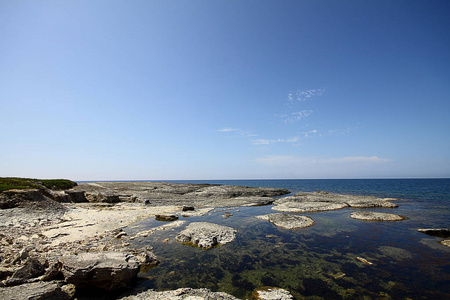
(237, 131)
(268, 142)
(295, 116)
(342, 131)
(304, 95)
(311, 133)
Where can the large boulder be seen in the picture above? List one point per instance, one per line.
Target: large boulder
(105, 270)
(38, 291)
(206, 235)
(288, 221)
(180, 294)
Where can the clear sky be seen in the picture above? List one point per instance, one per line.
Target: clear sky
(123, 90)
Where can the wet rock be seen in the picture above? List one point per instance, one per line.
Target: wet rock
(106, 270)
(322, 201)
(206, 235)
(272, 293)
(288, 221)
(226, 215)
(38, 291)
(31, 268)
(187, 208)
(439, 232)
(300, 206)
(166, 217)
(446, 243)
(375, 216)
(179, 294)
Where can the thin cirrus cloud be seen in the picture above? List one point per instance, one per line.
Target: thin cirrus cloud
(296, 116)
(268, 142)
(237, 131)
(301, 96)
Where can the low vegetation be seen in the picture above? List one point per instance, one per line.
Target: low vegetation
(8, 183)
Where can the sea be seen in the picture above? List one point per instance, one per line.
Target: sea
(322, 261)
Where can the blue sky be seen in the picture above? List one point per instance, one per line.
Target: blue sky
(122, 90)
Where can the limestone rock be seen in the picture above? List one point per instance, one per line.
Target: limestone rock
(288, 221)
(206, 235)
(102, 198)
(272, 293)
(321, 201)
(439, 232)
(31, 268)
(38, 291)
(300, 207)
(375, 216)
(76, 196)
(180, 294)
(106, 270)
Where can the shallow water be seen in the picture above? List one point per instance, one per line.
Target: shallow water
(315, 262)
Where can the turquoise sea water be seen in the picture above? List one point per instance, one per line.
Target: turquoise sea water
(318, 262)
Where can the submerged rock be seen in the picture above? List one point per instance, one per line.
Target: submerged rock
(179, 294)
(106, 270)
(166, 217)
(272, 293)
(288, 221)
(375, 216)
(206, 235)
(439, 232)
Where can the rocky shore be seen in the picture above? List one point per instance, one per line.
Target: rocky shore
(57, 244)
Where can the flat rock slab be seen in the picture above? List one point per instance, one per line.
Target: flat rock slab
(323, 201)
(105, 270)
(439, 232)
(300, 207)
(272, 293)
(38, 291)
(180, 294)
(288, 221)
(206, 235)
(375, 216)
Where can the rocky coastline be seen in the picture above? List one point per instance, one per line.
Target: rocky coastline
(56, 244)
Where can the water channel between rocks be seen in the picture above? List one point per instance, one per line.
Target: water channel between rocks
(320, 261)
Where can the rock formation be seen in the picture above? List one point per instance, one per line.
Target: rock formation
(288, 221)
(375, 216)
(206, 235)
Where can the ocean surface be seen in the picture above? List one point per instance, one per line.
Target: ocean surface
(318, 262)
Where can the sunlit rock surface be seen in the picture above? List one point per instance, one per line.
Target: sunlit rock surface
(288, 221)
(179, 294)
(323, 201)
(375, 216)
(206, 235)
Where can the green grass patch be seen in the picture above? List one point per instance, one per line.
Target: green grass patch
(8, 183)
